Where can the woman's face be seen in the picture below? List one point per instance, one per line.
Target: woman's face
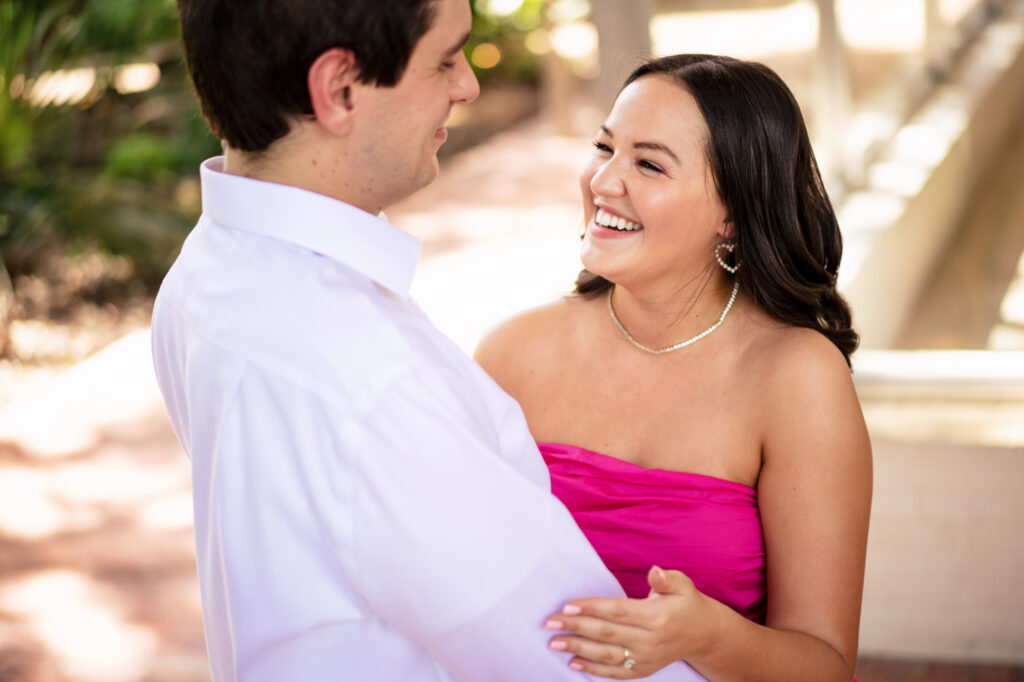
(653, 216)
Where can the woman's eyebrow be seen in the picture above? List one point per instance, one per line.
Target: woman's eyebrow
(658, 147)
(653, 146)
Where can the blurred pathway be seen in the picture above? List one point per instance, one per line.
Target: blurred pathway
(500, 230)
(97, 576)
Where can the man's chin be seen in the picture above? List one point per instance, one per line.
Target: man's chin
(429, 175)
(426, 176)
(431, 170)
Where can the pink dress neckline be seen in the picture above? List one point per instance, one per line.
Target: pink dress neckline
(632, 469)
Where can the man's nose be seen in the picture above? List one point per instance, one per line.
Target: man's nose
(466, 87)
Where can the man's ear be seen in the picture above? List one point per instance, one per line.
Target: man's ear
(332, 81)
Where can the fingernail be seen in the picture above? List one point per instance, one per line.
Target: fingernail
(660, 573)
(571, 610)
(576, 666)
(558, 645)
(553, 625)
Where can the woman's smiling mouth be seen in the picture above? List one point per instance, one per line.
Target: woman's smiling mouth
(614, 222)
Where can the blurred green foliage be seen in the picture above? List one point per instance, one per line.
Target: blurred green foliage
(508, 33)
(141, 155)
(92, 172)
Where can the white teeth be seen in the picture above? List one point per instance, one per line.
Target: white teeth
(606, 219)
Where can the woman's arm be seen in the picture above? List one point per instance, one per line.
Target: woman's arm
(814, 495)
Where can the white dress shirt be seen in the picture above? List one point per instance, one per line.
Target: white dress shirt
(369, 505)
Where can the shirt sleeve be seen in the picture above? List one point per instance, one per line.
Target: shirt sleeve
(457, 549)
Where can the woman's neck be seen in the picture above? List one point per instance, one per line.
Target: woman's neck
(658, 317)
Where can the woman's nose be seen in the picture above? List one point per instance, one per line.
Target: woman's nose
(607, 181)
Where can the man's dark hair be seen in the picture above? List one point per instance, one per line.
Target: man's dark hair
(787, 237)
(249, 59)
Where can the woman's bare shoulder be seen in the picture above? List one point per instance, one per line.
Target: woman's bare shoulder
(809, 359)
(528, 337)
(807, 392)
(795, 358)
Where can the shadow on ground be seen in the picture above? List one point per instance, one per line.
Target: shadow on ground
(97, 569)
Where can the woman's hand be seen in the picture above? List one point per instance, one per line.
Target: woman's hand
(608, 633)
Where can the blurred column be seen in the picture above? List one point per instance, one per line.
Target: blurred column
(833, 101)
(937, 46)
(624, 35)
(557, 93)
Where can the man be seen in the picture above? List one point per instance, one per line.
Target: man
(368, 504)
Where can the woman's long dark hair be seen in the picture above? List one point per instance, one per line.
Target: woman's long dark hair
(786, 234)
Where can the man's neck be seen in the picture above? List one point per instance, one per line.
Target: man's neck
(297, 161)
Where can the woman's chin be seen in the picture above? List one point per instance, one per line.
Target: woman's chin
(598, 263)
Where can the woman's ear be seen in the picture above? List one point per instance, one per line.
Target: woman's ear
(727, 230)
(332, 82)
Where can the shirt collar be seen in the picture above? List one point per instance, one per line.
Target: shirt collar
(340, 231)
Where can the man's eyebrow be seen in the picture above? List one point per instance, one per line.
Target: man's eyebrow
(458, 46)
(654, 146)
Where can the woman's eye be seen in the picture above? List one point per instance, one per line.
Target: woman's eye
(448, 64)
(647, 165)
(602, 147)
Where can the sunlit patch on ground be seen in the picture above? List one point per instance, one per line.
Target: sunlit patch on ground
(81, 623)
(97, 569)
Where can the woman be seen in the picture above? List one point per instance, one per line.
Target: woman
(693, 398)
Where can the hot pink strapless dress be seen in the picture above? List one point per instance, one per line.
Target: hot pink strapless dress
(706, 527)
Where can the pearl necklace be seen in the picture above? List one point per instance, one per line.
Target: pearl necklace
(681, 344)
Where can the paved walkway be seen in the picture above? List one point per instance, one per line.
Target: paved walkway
(97, 578)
